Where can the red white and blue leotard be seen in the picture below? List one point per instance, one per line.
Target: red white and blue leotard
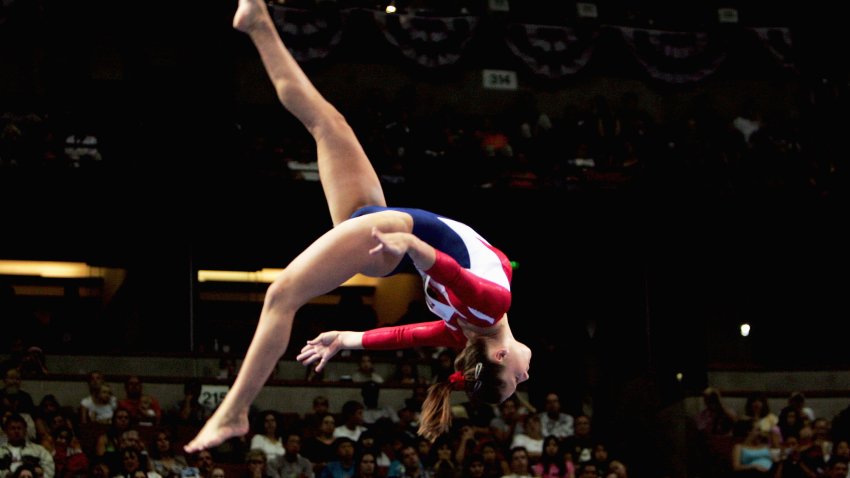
(470, 281)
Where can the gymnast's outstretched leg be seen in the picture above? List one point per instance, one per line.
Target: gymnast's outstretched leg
(349, 182)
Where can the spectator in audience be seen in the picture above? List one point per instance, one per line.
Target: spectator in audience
(473, 466)
(423, 447)
(531, 440)
(587, 470)
(480, 414)
(495, 465)
(110, 440)
(837, 468)
(47, 416)
(144, 409)
(554, 420)
(715, 418)
(617, 469)
(19, 450)
(407, 465)
(27, 470)
(100, 469)
(601, 457)
(129, 440)
(94, 382)
(16, 399)
(131, 462)
(352, 421)
(205, 462)
(443, 365)
(790, 464)
(367, 465)
(790, 424)
(752, 457)
(841, 449)
(440, 463)
(189, 411)
(551, 463)
(370, 443)
(520, 463)
(758, 410)
(822, 436)
(165, 458)
(342, 466)
(267, 435)
(257, 465)
(101, 408)
(70, 461)
(406, 372)
(370, 391)
(313, 418)
(292, 464)
(320, 447)
(366, 370)
(797, 402)
(508, 422)
(580, 444)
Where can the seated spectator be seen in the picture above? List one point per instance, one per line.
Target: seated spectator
(19, 449)
(551, 463)
(110, 440)
(292, 463)
(520, 467)
(342, 466)
(352, 421)
(366, 370)
(320, 447)
(267, 435)
(165, 459)
(752, 457)
(370, 391)
(69, 459)
(144, 409)
(94, 382)
(531, 440)
(99, 409)
(131, 463)
(257, 465)
(366, 466)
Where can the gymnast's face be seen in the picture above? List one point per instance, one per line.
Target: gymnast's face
(516, 360)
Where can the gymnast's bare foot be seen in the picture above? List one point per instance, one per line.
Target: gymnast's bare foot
(249, 14)
(218, 429)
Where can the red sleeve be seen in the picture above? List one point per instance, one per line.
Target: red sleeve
(431, 334)
(471, 290)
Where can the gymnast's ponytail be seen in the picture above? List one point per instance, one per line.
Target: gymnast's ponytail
(475, 374)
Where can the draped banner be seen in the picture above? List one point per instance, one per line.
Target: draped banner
(777, 41)
(431, 42)
(309, 35)
(551, 51)
(676, 57)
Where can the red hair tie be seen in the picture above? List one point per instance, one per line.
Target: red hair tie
(457, 380)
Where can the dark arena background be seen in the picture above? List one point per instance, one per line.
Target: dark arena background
(660, 173)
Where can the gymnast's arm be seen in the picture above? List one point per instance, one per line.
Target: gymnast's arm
(472, 290)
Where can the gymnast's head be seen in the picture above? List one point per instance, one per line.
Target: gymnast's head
(486, 372)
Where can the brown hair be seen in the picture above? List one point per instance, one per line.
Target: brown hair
(481, 381)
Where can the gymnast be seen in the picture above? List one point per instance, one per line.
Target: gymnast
(466, 280)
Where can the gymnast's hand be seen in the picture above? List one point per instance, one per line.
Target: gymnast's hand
(327, 344)
(400, 243)
(322, 348)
